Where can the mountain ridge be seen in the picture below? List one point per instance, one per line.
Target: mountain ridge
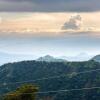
(33, 70)
(49, 58)
(96, 58)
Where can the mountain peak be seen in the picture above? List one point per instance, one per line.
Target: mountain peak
(49, 58)
(96, 58)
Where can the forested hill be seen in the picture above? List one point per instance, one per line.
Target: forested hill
(32, 70)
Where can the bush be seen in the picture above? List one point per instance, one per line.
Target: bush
(25, 92)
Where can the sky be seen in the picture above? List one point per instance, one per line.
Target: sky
(55, 27)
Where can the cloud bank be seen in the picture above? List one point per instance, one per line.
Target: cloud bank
(49, 5)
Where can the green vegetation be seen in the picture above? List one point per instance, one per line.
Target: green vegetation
(25, 92)
(31, 70)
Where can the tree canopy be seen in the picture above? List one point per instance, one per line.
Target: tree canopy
(25, 92)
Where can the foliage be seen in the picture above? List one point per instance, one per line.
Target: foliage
(25, 92)
(33, 70)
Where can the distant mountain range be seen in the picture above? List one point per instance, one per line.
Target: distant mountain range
(79, 57)
(6, 58)
(49, 58)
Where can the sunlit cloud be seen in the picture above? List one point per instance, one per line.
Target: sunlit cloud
(74, 23)
(48, 24)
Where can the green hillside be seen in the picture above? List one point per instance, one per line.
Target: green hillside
(33, 70)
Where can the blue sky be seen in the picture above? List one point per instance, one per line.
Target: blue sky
(56, 46)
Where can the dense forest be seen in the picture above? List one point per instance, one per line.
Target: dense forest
(28, 71)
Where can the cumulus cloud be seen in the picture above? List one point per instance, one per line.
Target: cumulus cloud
(50, 5)
(74, 23)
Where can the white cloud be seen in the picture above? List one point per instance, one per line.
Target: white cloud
(74, 23)
(48, 24)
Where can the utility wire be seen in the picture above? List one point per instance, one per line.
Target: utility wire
(48, 78)
(60, 91)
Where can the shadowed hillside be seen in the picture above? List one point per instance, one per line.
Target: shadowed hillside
(33, 70)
